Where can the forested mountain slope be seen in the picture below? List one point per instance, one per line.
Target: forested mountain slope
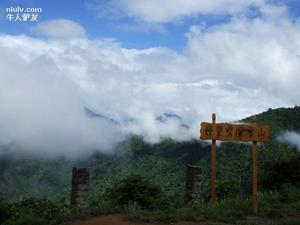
(163, 163)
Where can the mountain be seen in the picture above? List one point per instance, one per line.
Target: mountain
(90, 113)
(163, 163)
(162, 118)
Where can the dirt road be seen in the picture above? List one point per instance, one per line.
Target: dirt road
(117, 219)
(122, 220)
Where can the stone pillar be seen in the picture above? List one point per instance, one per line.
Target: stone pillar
(193, 183)
(80, 187)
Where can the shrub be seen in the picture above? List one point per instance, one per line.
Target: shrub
(282, 173)
(134, 189)
(227, 188)
(27, 220)
(40, 207)
(281, 203)
(228, 210)
(4, 213)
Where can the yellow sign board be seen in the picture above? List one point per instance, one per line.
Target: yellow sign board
(235, 132)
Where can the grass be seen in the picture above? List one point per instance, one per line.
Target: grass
(275, 208)
(228, 210)
(42, 211)
(282, 208)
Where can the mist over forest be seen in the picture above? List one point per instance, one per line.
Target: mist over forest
(102, 104)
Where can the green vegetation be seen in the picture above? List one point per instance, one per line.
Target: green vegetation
(274, 205)
(142, 205)
(147, 181)
(35, 211)
(134, 189)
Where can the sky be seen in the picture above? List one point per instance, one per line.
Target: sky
(150, 68)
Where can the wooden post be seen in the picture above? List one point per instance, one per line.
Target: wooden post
(213, 168)
(254, 172)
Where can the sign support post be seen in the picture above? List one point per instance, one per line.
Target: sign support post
(254, 171)
(213, 168)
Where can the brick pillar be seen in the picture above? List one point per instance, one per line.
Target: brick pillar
(193, 183)
(80, 187)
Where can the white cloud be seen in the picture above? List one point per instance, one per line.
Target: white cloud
(291, 137)
(253, 53)
(60, 29)
(41, 109)
(142, 27)
(157, 11)
(235, 69)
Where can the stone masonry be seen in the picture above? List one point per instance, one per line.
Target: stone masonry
(80, 187)
(193, 183)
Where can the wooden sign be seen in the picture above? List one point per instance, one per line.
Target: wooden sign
(235, 132)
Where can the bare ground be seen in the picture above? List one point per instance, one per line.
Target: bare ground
(117, 219)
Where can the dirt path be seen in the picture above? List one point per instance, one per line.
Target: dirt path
(118, 219)
(122, 220)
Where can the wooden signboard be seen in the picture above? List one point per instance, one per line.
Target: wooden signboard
(234, 132)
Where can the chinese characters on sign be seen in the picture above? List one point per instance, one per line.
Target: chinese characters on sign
(19, 14)
(234, 132)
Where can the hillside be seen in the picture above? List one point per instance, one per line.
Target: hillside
(163, 163)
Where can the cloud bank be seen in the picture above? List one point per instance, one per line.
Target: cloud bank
(174, 11)
(291, 137)
(235, 69)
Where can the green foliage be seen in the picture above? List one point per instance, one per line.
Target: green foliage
(281, 203)
(139, 147)
(42, 211)
(26, 220)
(36, 209)
(4, 213)
(27, 176)
(282, 173)
(280, 119)
(228, 210)
(39, 207)
(134, 189)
